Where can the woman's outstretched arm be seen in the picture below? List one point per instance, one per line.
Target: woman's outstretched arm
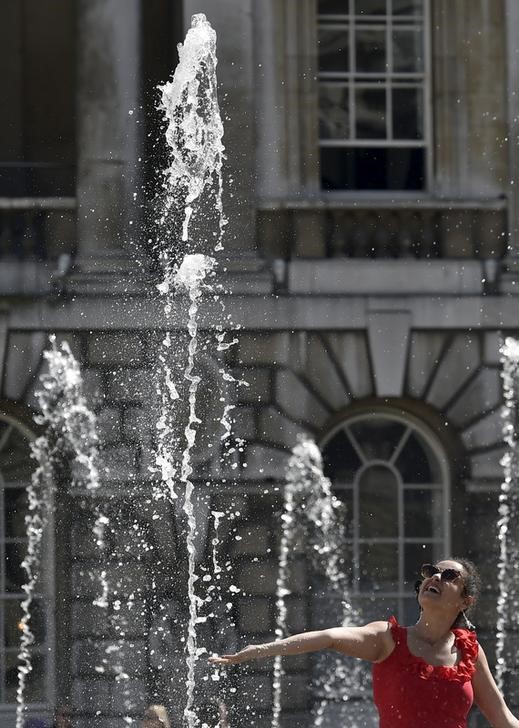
(372, 642)
(488, 698)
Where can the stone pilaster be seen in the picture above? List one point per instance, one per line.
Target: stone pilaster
(469, 123)
(107, 105)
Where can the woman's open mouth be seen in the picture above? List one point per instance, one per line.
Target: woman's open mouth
(433, 589)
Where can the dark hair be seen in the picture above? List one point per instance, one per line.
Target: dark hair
(471, 588)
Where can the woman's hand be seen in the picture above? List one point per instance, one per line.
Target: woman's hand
(372, 642)
(248, 653)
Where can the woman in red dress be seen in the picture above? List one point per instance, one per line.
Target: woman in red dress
(424, 676)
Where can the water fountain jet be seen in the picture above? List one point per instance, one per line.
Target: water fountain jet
(508, 599)
(311, 524)
(66, 451)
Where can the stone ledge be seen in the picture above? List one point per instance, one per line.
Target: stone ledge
(356, 277)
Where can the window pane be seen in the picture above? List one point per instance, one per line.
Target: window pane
(15, 501)
(370, 7)
(405, 169)
(334, 117)
(378, 567)
(370, 51)
(416, 463)
(378, 503)
(372, 168)
(334, 50)
(411, 610)
(373, 609)
(345, 495)
(407, 113)
(333, 7)
(35, 681)
(378, 438)
(422, 513)
(340, 460)
(407, 7)
(370, 113)
(416, 554)
(407, 51)
(16, 464)
(15, 575)
(12, 612)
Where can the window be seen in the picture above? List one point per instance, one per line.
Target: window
(373, 82)
(393, 477)
(37, 124)
(16, 466)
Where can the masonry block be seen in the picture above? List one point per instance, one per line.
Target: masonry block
(259, 380)
(262, 348)
(96, 658)
(92, 621)
(124, 581)
(119, 462)
(109, 425)
(255, 615)
(132, 385)
(264, 462)
(91, 695)
(254, 540)
(116, 349)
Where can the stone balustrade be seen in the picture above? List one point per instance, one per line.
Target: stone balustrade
(423, 230)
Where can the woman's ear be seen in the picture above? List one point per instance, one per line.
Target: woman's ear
(468, 602)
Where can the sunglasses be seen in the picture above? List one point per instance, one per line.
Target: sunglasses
(429, 570)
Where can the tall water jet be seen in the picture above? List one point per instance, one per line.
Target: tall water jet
(66, 451)
(193, 196)
(508, 574)
(310, 524)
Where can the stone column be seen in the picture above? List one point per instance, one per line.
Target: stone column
(271, 182)
(469, 102)
(232, 22)
(107, 105)
(286, 98)
(510, 280)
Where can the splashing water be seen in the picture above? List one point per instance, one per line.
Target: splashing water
(195, 130)
(508, 600)
(310, 524)
(193, 184)
(67, 450)
(191, 276)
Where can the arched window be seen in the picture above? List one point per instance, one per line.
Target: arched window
(16, 467)
(392, 474)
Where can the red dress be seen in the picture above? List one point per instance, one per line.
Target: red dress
(410, 693)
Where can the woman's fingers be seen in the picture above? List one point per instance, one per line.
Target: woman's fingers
(223, 659)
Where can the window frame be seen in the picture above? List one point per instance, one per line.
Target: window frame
(47, 596)
(388, 77)
(443, 543)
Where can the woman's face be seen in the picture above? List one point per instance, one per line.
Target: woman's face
(446, 594)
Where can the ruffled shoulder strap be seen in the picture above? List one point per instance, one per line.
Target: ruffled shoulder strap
(467, 644)
(397, 631)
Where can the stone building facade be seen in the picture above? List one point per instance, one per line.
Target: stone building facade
(371, 269)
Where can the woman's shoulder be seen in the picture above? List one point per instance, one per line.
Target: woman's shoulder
(384, 628)
(387, 633)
